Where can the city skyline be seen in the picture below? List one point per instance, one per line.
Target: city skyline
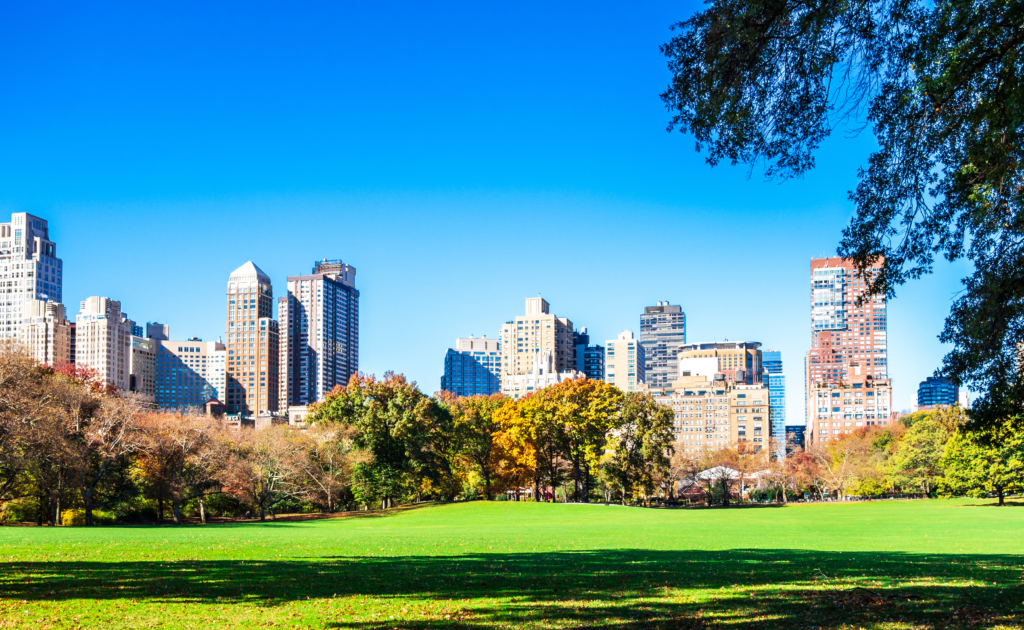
(163, 174)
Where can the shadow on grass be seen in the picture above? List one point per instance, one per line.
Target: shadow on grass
(748, 588)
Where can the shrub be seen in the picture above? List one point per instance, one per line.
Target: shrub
(76, 518)
(19, 511)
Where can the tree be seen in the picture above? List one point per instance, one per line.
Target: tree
(581, 411)
(388, 418)
(641, 447)
(940, 84)
(328, 465)
(266, 467)
(916, 458)
(183, 456)
(476, 422)
(977, 465)
(517, 446)
(841, 462)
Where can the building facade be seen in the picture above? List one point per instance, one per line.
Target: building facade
(189, 373)
(839, 407)
(739, 361)
(935, 392)
(542, 373)
(794, 438)
(319, 324)
(589, 358)
(774, 376)
(624, 362)
(253, 343)
(103, 340)
(29, 271)
(142, 374)
(46, 333)
(530, 338)
(712, 413)
(842, 330)
(472, 367)
(662, 333)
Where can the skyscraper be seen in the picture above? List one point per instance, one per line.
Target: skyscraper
(46, 333)
(189, 373)
(848, 338)
(29, 269)
(589, 358)
(771, 360)
(537, 333)
(472, 367)
(624, 362)
(662, 333)
(103, 340)
(319, 333)
(738, 361)
(842, 330)
(252, 367)
(936, 391)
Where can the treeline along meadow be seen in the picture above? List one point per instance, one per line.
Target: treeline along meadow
(74, 451)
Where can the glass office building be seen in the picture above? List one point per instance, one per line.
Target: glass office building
(771, 361)
(473, 367)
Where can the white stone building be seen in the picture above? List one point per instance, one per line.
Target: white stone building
(29, 270)
(103, 340)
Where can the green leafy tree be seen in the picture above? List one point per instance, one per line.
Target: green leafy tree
(916, 458)
(977, 465)
(476, 423)
(389, 418)
(940, 85)
(581, 412)
(641, 447)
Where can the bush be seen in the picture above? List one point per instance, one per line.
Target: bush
(19, 511)
(76, 518)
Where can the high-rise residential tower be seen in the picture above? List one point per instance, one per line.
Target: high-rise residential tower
(46, 333)
(537, 333)
(29, 270)
(252, 343)
(103, 340)
(841, 329)
(319, 323)
(771, 361)
(189, 373)
(472, 367)
(624, 362)
(662, 333)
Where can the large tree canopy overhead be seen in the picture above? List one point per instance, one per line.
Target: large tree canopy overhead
(764, 82)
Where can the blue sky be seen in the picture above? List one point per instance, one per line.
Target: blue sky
(461, 157)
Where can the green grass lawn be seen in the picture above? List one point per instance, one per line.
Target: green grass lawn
(922, 564)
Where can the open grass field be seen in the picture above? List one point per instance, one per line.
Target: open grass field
(923, 564)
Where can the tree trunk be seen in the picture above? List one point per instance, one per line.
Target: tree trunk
(487, 484)
(176, 509)
(999, 493)
(202, 511)
(88, 515)
(160, 510)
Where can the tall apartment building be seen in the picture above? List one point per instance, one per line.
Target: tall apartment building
(319, 324)
(589, 358)
(838, 407)
(29, 270)
(46, 333)
(774, 376)
(624, 362)
(662, 333)
(935, 392)
(103, 340)
(252, 344)
(537, 333)
(189, 373)
(142, 373)
(472, 367)
(712, 413)
(841, 330)
(739, 361)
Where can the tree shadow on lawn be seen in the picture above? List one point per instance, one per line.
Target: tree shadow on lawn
(745, 588)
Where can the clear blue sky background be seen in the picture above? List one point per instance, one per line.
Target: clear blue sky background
(461, 156)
